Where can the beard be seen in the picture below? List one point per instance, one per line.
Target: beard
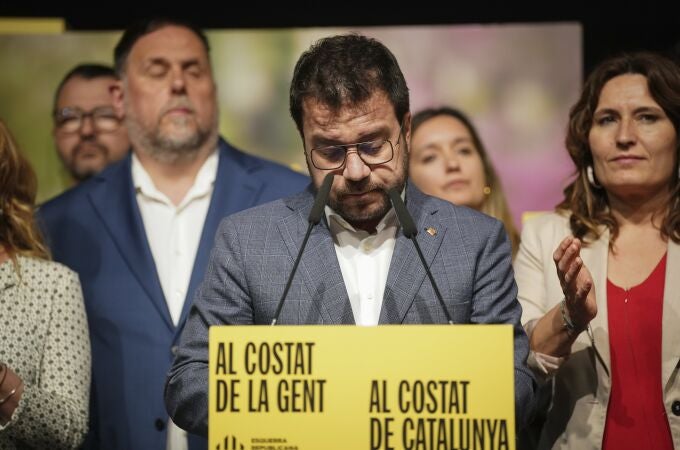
(171, 139)
(366, 211)
(82, 167)
(360, 211)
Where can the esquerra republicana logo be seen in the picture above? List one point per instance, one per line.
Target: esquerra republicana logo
(230, 443)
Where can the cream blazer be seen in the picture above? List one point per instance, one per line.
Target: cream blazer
(582, 384)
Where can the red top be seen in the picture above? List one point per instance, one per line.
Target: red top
(636, 417)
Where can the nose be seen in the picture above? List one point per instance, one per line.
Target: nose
(451, 161)
(87, 126)
(355, 168)
(625, 134)
(178, 83)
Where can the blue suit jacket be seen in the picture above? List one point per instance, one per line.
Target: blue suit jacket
(469, 256)
(96, 229)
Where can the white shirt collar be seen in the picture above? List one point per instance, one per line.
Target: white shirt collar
(203, 184)
(364, 261)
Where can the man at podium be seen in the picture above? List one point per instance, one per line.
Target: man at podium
(348, 259)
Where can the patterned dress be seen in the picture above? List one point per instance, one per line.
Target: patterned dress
(44, 339)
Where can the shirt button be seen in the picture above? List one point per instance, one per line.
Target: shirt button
(675, 407)
(159, 424)
(174, 349)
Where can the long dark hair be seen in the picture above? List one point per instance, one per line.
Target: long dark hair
(588, 207)
(495, 204)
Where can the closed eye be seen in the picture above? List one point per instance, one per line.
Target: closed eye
(157, 70)
(331, 153)
(194, 69)
(371, 148)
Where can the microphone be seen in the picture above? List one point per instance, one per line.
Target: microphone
(314, 218)
(410, 231)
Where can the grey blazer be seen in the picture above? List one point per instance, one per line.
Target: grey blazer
(469, 256)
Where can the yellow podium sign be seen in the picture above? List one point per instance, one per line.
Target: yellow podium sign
(393, 387)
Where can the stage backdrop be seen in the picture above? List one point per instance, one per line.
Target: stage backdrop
(516, 82)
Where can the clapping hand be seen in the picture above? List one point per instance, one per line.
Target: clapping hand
(576, 282)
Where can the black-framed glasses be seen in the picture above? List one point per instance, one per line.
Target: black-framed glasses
(372, 153)
(70, 119)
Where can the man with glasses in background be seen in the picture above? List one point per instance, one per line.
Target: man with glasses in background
(350, 102)
(88, 133)
(139, 233)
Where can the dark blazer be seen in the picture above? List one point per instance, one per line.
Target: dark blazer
(96, 229)
(470, 259)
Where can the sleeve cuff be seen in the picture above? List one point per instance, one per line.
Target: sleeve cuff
(544, 366)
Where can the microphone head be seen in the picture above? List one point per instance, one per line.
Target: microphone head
(320, 199)
(405, 219)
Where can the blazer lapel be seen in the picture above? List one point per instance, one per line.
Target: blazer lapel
(595, 257)
(670, 340)
(407, 274)
(114, 201)
(319, 268)
(233, 191)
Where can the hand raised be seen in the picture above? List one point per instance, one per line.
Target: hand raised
(576, 282)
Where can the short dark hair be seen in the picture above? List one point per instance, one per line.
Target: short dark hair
(143, 27)
(88, 71)
(347, 69)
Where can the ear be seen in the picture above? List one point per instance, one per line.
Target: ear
(116, 91)
(407, 128)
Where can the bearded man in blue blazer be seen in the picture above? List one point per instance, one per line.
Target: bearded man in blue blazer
(350, 102)
(140, 232)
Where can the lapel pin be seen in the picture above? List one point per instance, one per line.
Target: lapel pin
(431, 231)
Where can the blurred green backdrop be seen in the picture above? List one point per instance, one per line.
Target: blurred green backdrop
(516, 82)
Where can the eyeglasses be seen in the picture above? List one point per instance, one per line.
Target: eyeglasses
(70, 119)
(333, 157)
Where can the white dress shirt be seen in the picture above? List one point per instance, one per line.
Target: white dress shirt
(364, 262)
(173, 233)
